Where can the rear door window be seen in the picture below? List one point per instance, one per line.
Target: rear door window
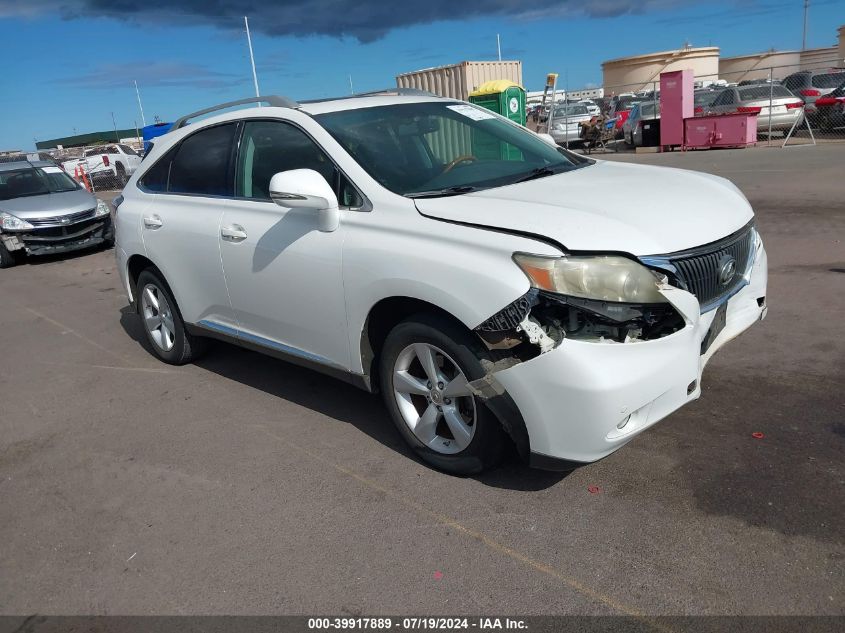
(202, 163)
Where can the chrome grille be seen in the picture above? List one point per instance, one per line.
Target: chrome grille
(70, 219)
(700, 270)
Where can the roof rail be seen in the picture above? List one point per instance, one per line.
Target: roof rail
(402, 92)
(272, 100)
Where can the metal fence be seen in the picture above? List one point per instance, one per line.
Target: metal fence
(101, 167)
(797, 104)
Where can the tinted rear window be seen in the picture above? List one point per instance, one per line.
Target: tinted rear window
(830, 80)
(753, 93)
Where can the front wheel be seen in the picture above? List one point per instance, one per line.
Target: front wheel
(425, 367)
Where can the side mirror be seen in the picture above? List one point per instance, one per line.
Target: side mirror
(306, 189)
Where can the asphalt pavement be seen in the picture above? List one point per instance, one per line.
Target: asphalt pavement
(245, 485)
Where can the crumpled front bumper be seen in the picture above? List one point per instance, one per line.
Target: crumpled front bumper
(583, 400)
(61, 239)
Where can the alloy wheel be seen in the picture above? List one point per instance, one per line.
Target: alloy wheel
(158, 317)
(434, 398)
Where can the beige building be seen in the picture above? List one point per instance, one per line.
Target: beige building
(632, 74)
(458, 80)
(757, 65)
(641, 72)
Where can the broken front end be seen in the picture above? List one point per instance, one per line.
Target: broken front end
(602, 347)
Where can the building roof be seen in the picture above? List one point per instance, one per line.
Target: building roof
(703, 51)
(92, 138)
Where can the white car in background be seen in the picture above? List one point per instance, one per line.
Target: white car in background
(108, 164)
(497, 290)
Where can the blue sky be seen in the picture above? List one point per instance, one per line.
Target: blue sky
(64, 76)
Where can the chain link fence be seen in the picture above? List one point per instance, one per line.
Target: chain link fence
(796, 104)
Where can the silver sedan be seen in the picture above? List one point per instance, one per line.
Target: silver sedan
(767, 101)
(565, 124)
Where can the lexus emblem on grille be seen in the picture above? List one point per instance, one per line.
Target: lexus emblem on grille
(727, 270)
(65, 220)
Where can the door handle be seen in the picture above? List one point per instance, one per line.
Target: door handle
(233, 233)
(152, 222)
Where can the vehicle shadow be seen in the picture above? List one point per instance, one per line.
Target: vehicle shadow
(334, 399)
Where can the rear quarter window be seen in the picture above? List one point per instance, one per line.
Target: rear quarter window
(156, 178)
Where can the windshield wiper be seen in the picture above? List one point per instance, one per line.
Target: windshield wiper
(448, 191)
(539, 172)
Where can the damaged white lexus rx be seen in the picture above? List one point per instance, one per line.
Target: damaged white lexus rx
(497, 290)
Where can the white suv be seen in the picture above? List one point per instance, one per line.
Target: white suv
(496, 289)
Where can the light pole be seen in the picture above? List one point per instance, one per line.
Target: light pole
(251, 57)
(138, 94)
(804, 39)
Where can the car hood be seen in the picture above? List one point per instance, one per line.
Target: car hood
(607, 206)
(49, 205)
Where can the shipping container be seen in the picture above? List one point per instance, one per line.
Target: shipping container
(458, 80)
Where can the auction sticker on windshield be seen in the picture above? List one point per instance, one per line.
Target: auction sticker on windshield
(471, 112)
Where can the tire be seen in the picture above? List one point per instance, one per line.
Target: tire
(122, 178)
(10, 258)
(454, 350)
(169, 340)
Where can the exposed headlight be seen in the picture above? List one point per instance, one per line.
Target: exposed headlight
(102, 209)
(599, 277)
(11, 223)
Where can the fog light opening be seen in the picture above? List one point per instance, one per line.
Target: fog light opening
(691, 387)
(622, 424)
(761, 301)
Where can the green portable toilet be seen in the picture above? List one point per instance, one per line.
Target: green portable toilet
(504, 97)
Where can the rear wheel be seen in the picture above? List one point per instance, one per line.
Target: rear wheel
(425, 367)
(122, 178)
(163, 323)
(10, 258)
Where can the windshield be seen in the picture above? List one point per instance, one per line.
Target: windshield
(437, 148)
(31, 181)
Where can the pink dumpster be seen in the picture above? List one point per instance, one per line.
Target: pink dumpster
(724, 130)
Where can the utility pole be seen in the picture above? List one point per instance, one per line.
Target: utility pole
(351, 89)
(804, 39)
(138, 94)
(114, 127)
(251, 57)
(499, 46)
